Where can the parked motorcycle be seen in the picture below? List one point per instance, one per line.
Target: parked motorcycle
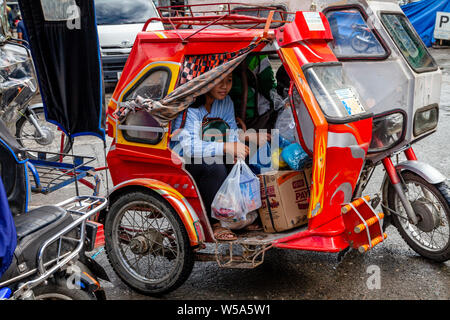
(362, 39)
(50, 260)
(17, 89)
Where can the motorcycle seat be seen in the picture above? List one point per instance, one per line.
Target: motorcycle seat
(33, 229)
(36, 219)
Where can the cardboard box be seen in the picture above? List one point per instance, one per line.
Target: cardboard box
(288, 194)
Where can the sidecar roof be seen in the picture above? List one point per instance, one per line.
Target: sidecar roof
(174, 45)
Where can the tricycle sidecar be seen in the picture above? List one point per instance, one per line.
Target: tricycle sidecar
(157, 225)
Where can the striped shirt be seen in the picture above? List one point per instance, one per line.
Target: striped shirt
(189, 141)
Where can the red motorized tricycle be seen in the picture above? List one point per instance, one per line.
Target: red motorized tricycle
(156, 225)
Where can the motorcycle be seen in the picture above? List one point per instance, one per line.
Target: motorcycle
(49, 261)
(18, 86)
(361, 39)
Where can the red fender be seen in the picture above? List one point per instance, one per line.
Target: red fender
(187, 214)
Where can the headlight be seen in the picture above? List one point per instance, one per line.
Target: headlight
(387, 131)
(426, 119)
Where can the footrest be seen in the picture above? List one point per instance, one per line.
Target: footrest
(363, 225)
(370, 222)
(377, 240)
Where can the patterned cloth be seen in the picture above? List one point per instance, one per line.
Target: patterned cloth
(195, 81)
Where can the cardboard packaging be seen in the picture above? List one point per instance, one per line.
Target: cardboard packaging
(288, 194)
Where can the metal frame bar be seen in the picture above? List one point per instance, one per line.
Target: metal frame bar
(82, 206)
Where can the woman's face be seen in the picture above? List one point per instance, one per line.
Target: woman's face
(221, 90)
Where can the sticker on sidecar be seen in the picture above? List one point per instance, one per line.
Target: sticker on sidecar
(314, 21)
(350, 101)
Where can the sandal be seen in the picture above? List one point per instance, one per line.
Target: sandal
(223, 234)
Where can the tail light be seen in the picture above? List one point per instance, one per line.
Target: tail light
(95, 235)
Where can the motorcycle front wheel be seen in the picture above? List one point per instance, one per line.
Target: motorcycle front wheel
(147, 243)
(29, 138)
(431, 203)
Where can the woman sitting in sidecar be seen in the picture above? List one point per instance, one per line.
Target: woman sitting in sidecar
(207, 158)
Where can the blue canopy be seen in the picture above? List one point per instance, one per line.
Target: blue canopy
(8, 236)
(422, 15)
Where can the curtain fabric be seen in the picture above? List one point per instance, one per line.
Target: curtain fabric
(195, 84)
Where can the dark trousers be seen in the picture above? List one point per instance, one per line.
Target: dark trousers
(209, 178)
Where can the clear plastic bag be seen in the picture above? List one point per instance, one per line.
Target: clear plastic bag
(238, 195)
(286, 124)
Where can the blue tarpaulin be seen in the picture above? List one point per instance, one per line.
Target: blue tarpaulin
(8, 236)
(422, 15)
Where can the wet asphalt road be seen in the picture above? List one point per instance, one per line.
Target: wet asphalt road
(288, 275)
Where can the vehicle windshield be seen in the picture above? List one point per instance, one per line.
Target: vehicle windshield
(352, 37)
(409, 43)
(333, 91)
(116, 12)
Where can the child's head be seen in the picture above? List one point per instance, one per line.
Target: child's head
(222, 89)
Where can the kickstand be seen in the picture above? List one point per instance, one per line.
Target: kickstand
(343, 253)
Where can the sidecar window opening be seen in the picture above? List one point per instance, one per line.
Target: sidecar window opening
(408, 42)
(153, 85)
(353, 38)
(60, 10)
(333, 91)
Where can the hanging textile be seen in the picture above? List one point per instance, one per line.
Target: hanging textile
(200, 74)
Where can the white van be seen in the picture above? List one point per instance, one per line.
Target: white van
(118, 22)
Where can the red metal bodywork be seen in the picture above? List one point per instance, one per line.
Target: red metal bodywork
(339, 149)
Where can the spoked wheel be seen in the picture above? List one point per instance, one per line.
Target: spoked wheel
(358, 42)
(28, 136)
(147, 244)
(431, 203)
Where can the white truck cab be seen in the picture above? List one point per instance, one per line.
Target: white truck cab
(118, 22)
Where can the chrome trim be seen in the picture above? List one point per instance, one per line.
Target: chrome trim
(82, 206)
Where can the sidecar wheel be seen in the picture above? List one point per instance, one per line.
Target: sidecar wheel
(147, 244)
(431, 236)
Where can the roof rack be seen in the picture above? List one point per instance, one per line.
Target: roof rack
(231, 15)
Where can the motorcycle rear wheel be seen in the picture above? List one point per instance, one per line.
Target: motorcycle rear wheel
(431, 236)
(58, 290)
(357, 44)
(147, 244)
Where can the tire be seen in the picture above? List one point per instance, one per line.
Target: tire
(25, 133)
(58, 290)
(358, 45)
(140, 241)
(434, 222)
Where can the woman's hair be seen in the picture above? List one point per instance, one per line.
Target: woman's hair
(199, 101)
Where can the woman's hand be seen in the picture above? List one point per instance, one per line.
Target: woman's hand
(236, 149)
(258, 138)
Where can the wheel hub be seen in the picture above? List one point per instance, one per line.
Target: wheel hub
(150, 240)
(46, 138)
(428, 220)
